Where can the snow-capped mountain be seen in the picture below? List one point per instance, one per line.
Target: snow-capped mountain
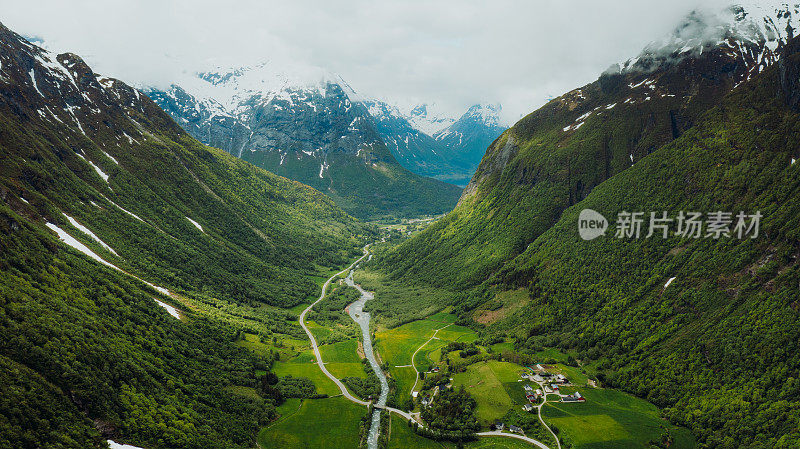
(258, 112)
(649, 100)
(427, 117)
(752, 29)
(466, 140)
(430, 142)
(296, 120)
(305, 124)
(416, 150)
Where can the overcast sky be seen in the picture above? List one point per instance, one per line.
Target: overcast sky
(452, 52)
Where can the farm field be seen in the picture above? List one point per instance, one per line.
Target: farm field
(301, 429)
(397, 346)
(486, 382)
(612, 419)
(608, 419)
(287, 348)
(342, 359)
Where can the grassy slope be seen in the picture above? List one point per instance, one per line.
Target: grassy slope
(325, 423)
(262, 234)
(724, 289)
(537, 169)
(611, 419)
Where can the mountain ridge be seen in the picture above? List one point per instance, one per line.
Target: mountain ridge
(317, 132)
(694, 326)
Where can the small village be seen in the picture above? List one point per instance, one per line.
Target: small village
(541, 382)
(548, 384)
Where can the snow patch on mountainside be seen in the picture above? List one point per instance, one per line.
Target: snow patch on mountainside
(171, 310)
(95, 167)
(766, 22)
(196, 224)
(114, 445)
(91, 234)
(76, 244)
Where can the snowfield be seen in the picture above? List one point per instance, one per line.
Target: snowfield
(172, 310)
(73, 242)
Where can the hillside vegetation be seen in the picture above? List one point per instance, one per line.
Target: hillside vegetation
(86, 353)
(706, 328)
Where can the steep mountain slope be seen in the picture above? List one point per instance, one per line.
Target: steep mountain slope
(312, 128)
(86, 352)
(555, 156)
(707, 328)
(445, 149)
(412, 147)
(466, 140)
(79, 145)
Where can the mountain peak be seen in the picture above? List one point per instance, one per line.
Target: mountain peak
(765, 23)
(487, 114)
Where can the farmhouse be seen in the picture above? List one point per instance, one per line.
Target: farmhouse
(537, 378)
(573, 398)
(531, 398)
(554, 387)
(560, 378)
(499, 425)
(528, 387)
(435, 369)
(515, 429)
(547, 389)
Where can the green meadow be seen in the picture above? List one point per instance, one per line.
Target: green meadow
(396, 346)
(486, 382)
(342, 359)
(612, 419)
(286, 347)
(314, 423)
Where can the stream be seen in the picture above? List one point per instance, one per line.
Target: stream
(356, 311)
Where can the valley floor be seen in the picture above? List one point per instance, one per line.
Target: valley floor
(425, 348)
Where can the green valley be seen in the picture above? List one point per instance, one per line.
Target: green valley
(621, 271)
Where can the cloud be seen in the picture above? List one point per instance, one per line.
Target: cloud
(452, 52)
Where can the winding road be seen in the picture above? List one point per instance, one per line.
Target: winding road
(539, 411)
(314, 345)
(368, 344)
(416, 380)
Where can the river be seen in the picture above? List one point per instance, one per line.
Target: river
(356, 311)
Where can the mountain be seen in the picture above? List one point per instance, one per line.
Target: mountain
(467, 138)
(415, 149)
(553, 158)
(704, 120)
(132, 255)
(307, 125)
(431, 144)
